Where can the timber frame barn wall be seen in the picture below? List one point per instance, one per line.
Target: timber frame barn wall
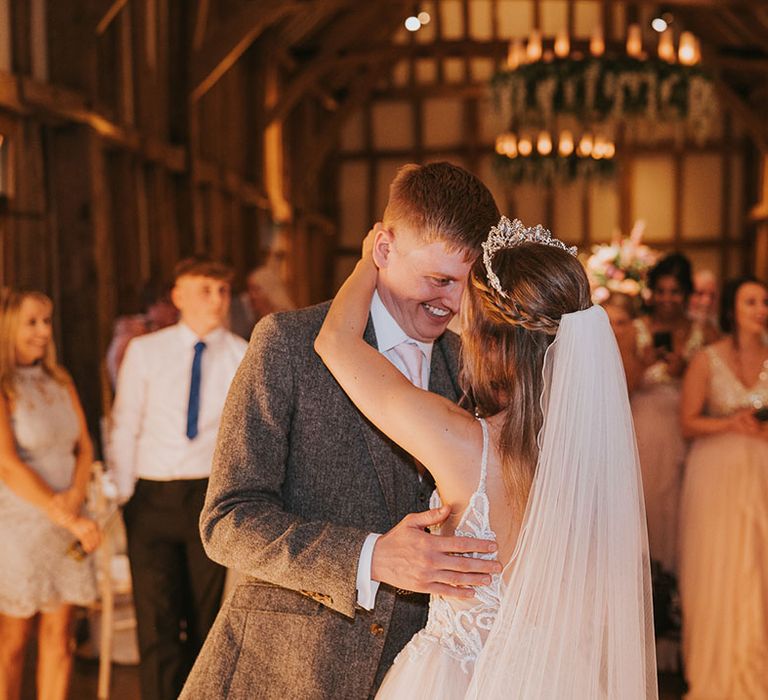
(136, 132)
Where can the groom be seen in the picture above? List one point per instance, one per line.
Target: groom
(302, 482)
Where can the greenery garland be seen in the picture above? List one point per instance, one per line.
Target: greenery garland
(599, 92)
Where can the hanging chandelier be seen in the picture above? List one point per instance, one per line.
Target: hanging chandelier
(565, 111)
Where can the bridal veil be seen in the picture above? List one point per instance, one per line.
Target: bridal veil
(576, 618)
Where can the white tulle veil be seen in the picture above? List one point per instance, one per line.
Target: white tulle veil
(576, 619)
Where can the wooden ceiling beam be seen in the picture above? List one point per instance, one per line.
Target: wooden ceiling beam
(367, 22)
(753, 122)
(228, 42)
(299, 27)
(109, 15)
(201, 23)
(743, 65)
(744, 28)
(360, 90)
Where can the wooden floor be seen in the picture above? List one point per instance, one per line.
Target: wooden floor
(125, 683)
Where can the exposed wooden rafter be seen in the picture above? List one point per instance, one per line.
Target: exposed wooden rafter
(359, 92)
(370, 22)
(112, 11)
(753, 123)
(229, 41)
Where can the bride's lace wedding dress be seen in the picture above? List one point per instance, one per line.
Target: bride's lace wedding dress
(571, 617)
(440, 659)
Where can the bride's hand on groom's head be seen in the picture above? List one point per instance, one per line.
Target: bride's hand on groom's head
(367, 247)
(410, 558)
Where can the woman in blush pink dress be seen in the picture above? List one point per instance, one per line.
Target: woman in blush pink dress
(666, 341)
(724, 507)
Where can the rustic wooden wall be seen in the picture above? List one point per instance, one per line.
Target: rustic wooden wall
(135, 132)
(111, 172)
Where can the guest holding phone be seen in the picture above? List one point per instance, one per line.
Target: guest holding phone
(724, 506)
(665, 340)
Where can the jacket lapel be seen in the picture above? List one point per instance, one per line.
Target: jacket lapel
(383, 452)
(394, 468)
(443, 376)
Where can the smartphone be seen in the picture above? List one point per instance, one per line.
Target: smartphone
(761, 414)
(663, 340)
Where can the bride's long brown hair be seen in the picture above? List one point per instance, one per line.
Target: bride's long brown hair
(504, 340)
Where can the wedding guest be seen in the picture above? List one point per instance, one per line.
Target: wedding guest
(170, 394)
(621, 310)
(666, 340)
(265, 293)
(702, 306)
(45, 463)
(724, 508)
(159, 312)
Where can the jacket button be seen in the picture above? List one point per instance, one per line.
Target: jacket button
(376, 629)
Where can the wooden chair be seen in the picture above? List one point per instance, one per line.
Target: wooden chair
(103, 506)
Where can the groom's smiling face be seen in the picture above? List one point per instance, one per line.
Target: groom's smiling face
(420, 283)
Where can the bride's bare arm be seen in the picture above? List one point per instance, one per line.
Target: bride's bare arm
(430, 427)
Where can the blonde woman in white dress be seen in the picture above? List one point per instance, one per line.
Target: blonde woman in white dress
(546, 466)
(724, 507)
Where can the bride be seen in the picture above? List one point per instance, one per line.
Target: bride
(546, 466)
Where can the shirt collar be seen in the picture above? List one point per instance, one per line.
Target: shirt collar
(388, 332)
(189, 337)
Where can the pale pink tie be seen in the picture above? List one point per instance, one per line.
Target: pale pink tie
(413, 359)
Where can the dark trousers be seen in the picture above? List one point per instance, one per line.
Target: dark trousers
(177, 589)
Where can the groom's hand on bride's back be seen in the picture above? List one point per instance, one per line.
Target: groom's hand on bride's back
(410, 558)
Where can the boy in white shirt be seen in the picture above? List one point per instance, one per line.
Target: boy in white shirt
(170, 394)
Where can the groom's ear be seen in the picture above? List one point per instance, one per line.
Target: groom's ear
(383, 242)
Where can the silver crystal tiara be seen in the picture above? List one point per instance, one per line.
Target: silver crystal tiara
(508, 234)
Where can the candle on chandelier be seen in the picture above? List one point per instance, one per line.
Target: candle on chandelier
(534, 50)
(686, 52)
(524, 146)
(666, 47)
(585, 145)
(506, 145)
(515, 54)
(599, 149)
(562, 44)
(597, 41)
(544, 143)
(634, 41)
(565, 143)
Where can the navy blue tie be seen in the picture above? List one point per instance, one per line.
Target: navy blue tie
(193, 408)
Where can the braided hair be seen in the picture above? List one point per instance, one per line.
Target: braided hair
(504, 342)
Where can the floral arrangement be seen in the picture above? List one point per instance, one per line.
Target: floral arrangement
(620, 266)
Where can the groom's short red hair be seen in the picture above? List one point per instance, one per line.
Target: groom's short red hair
(442, 202)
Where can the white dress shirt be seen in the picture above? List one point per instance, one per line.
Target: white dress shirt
(149, 416)
(388, 336)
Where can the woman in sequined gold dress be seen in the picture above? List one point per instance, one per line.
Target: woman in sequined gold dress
(724, 506)
(45, 461)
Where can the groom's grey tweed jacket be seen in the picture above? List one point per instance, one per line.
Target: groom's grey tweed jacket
(299, 479)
